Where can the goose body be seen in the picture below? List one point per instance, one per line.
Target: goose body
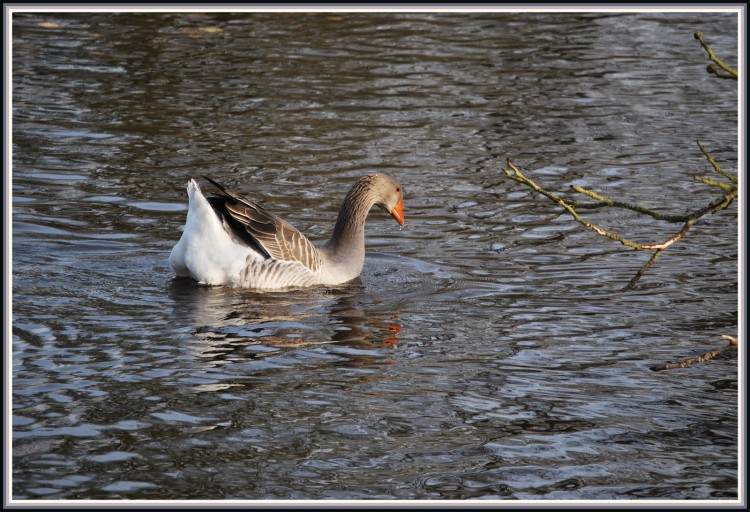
(232, 241)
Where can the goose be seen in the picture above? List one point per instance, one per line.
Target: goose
(229, 240)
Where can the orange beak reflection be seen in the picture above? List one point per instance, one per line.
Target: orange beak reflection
(398, 212)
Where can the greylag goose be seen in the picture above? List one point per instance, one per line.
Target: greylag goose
(229, 240)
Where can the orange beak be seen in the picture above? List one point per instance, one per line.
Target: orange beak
(398, 212)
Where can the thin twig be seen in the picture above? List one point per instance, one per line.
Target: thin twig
(705, 357)
(718, 204)
(718, 61)
(713, 163)
(732, 339)
(634, 207)
(666, 243)
(731, 192)
(708, 181)
(714, 71)
(642, 271)
(517, 175)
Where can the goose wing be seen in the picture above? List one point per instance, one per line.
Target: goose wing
(271, 236)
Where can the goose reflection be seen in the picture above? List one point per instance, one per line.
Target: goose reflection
(236, 325)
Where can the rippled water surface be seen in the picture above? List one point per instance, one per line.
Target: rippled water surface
(485, 352)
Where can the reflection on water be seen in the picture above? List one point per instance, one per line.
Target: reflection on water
(484, 352)
(260, 329)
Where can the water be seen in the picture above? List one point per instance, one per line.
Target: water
(485, 352)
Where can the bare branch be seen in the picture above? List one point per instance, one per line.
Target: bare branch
(635, 207)
(517, 175)
(642, 271)
(732, 339)
(718, 204)
(732, 73)
(666, 243)
(713, 163)
(731, 191)
(708, 181)
(730, 194)
(705, 357)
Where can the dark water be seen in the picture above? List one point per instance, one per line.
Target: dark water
(484, 353)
